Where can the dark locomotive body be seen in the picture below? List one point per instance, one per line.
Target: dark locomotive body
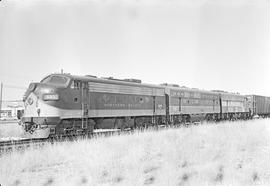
(188, 105)
(65, 104)
(71, 104)
(234, 106)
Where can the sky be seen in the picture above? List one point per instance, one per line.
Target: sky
(205, 44)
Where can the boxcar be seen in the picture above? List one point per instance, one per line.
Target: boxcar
(259, 105)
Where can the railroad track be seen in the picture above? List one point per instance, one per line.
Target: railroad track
(21, 144)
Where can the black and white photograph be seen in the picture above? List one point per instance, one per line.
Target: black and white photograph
(134, 92)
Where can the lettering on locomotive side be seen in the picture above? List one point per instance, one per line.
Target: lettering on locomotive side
(123, 101)
(114, 105)
(178, 93)
(209, 96)
(126, 106)
(186, 94)
(121, 105)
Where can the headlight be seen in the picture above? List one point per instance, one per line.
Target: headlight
(50, 97)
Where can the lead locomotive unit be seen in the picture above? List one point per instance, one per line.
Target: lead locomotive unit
(63, 104)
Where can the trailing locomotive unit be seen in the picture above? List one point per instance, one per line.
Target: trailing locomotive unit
(187, 104)
(234, 106)
(65, 104)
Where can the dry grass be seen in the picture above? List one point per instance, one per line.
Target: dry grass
(236, 153)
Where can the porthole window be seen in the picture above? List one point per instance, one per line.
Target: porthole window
(75, 100)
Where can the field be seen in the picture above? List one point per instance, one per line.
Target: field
(231, 153)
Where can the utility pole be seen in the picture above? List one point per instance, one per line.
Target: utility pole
(1, 92)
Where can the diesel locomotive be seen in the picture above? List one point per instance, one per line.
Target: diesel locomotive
(63, 104)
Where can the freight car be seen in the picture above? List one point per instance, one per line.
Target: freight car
(259, 105)
(63, 104)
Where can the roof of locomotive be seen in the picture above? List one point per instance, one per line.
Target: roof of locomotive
(107, 80)
(230, 94)
(123, 82)
(193, 90)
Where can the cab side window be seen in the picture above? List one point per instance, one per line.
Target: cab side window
(76, 85)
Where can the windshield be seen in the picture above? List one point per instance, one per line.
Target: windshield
(56, 80)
